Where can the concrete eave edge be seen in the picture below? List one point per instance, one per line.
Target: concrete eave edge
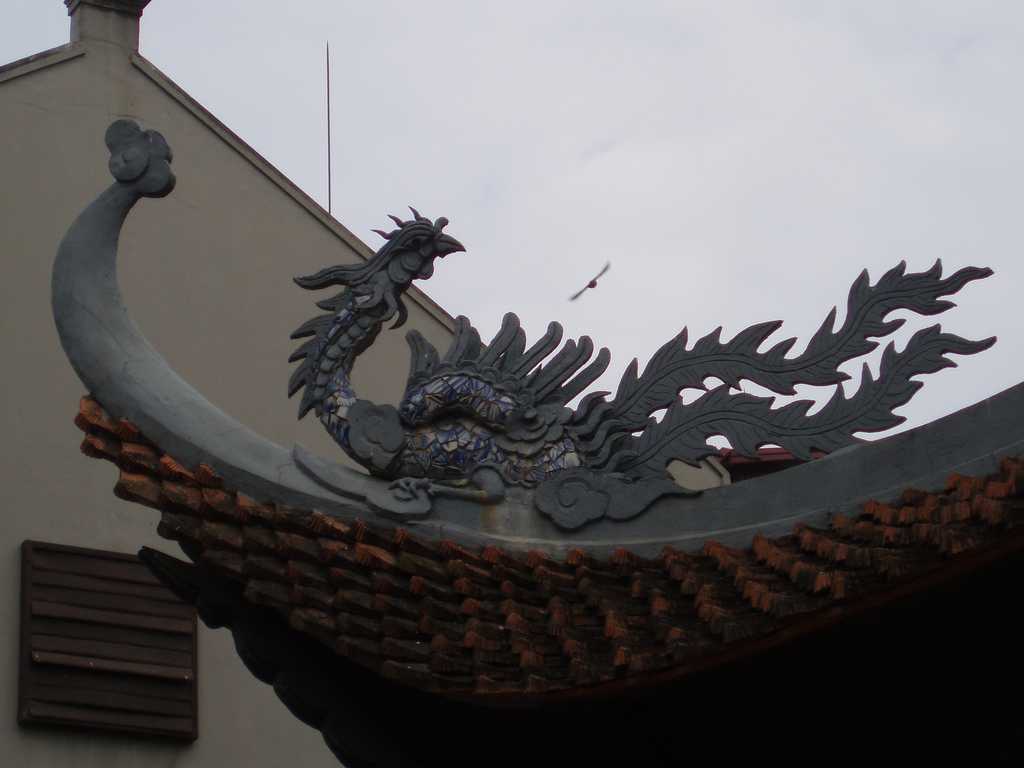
(130, 7)
(41, 60)
(265, 167)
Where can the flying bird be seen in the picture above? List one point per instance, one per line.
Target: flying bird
(592, 283)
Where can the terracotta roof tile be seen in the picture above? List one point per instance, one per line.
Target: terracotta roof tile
(445, 617)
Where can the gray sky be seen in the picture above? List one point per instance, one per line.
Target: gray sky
(735, 161)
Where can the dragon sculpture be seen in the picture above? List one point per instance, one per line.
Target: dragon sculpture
(493, 611)
(497, 415)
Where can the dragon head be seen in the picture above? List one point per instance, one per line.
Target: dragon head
(407, 255)
(371, 295)
(410, 250)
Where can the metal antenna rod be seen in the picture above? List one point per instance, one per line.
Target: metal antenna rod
(329, 127)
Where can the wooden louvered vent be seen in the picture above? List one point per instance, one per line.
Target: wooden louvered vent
(104, 645)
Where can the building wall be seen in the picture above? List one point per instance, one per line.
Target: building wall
(207, 275)
(709, 473)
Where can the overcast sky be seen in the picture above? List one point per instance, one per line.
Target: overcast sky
(735, 161)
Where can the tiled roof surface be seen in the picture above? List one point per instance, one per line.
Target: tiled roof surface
(444, 618)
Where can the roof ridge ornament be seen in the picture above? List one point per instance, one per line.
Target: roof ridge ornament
(502, 407)
(484, 435)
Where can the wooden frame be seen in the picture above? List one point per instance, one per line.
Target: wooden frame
(104, 645)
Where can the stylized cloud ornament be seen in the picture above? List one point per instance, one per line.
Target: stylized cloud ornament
(141, 159)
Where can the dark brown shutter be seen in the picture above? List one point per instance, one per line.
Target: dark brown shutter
(104, 645)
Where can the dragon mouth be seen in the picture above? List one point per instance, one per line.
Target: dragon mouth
(442, 246)
(445, 244)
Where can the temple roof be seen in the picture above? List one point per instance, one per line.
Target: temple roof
(495, 625)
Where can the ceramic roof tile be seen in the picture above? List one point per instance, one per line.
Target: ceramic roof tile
(446, 617)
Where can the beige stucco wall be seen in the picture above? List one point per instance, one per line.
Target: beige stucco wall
(207, 275)
(709, 473)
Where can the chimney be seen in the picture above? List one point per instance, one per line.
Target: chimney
(115, 22)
